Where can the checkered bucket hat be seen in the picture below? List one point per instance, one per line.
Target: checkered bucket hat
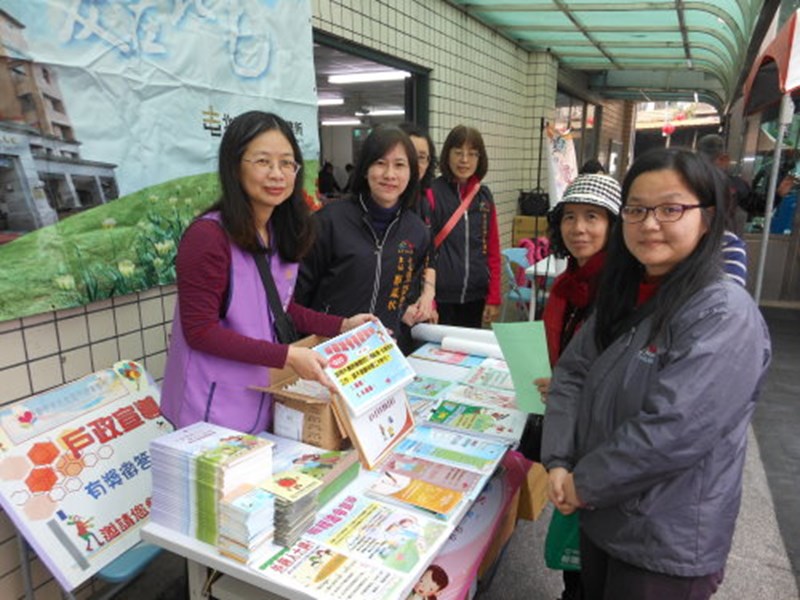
(601, 190)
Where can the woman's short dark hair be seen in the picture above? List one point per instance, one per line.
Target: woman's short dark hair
(458, 136)
(617, 295)
(414, 130)
(380, 141)
(292, 228)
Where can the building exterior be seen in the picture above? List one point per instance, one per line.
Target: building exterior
(42, 175)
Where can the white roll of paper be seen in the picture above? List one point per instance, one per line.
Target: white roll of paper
(428, 332)
(457, 344)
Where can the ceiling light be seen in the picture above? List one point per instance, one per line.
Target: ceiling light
(381, 112)
(330, 101)
(369, 77)
(335, 122)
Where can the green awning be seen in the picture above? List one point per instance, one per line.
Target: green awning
(638, 50)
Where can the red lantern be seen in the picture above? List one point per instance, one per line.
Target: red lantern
(668, 129)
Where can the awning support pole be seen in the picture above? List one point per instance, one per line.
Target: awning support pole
(786, 116)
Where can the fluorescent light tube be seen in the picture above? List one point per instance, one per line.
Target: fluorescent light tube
(330, 101)
(334, 122)
(368, 77)
(382, 112)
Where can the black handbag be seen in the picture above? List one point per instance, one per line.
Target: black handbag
(282, 323)
(536, 202)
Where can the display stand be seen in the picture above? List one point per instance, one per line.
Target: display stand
(75, 476)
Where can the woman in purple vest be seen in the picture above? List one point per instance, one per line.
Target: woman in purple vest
(223, 337)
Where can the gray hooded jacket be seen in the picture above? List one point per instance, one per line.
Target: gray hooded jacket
(656, 434)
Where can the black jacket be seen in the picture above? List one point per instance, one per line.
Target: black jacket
(468, 261)
(350, 270)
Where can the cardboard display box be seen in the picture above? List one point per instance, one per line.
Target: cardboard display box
(320, 423)
(528, 227)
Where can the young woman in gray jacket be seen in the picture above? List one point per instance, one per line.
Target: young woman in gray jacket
(648, 409)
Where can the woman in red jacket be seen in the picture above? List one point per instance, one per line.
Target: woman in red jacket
(579, 230)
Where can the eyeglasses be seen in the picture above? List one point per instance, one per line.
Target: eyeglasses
(663, 213)
(287, 167)
(470, 155)
(423, 158)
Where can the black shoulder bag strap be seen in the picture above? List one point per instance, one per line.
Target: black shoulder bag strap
(283, 325)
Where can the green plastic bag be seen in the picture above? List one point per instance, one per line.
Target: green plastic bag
(562, 544)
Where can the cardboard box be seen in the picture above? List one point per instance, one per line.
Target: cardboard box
(321, 426)
(533, 493)
(528, 227)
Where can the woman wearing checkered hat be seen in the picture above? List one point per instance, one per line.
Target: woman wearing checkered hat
(579, 229)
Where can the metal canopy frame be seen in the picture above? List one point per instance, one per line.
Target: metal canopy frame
(668, 49)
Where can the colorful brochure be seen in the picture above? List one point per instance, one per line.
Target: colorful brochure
(453, 448)
(365, 365)
(505, 424)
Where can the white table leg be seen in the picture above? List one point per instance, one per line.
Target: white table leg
(196, 575)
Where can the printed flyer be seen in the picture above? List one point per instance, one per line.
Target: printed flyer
(454, 448)
(330, 574)
(503, 423)
(365, 365)
(390, 537)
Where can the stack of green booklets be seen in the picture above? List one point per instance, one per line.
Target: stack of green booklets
(194, 467)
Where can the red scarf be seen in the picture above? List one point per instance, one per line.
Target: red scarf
(571, 296)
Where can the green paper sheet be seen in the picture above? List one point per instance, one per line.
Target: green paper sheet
(524, 348)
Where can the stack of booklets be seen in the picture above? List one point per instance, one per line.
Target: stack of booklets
(194, 467)
(334, 468)
(246, 524)
(295, 504)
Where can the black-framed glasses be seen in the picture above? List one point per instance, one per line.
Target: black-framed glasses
(285, 166)
(663, 213)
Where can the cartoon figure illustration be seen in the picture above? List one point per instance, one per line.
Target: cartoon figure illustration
(82, 528)
(433, 580)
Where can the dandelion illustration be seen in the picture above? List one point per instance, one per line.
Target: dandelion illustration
(109, 223)
(164, 247)
(126, 267)
(65, 282)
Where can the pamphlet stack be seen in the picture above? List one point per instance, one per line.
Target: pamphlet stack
(295, 504)
(194, 467)
(246, 518)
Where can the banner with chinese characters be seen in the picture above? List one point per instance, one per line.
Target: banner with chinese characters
(110, 124)
(75, 468)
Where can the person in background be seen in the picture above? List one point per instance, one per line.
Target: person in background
(467, 262)
(592, 166)
(222, 334)
(734, 250)
(712, 147)
(426, 160)
(371, 247)
(580, 225)
(646, 422)
(327, 181)
(348, 168)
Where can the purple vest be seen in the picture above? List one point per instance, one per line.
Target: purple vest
(202, 387)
